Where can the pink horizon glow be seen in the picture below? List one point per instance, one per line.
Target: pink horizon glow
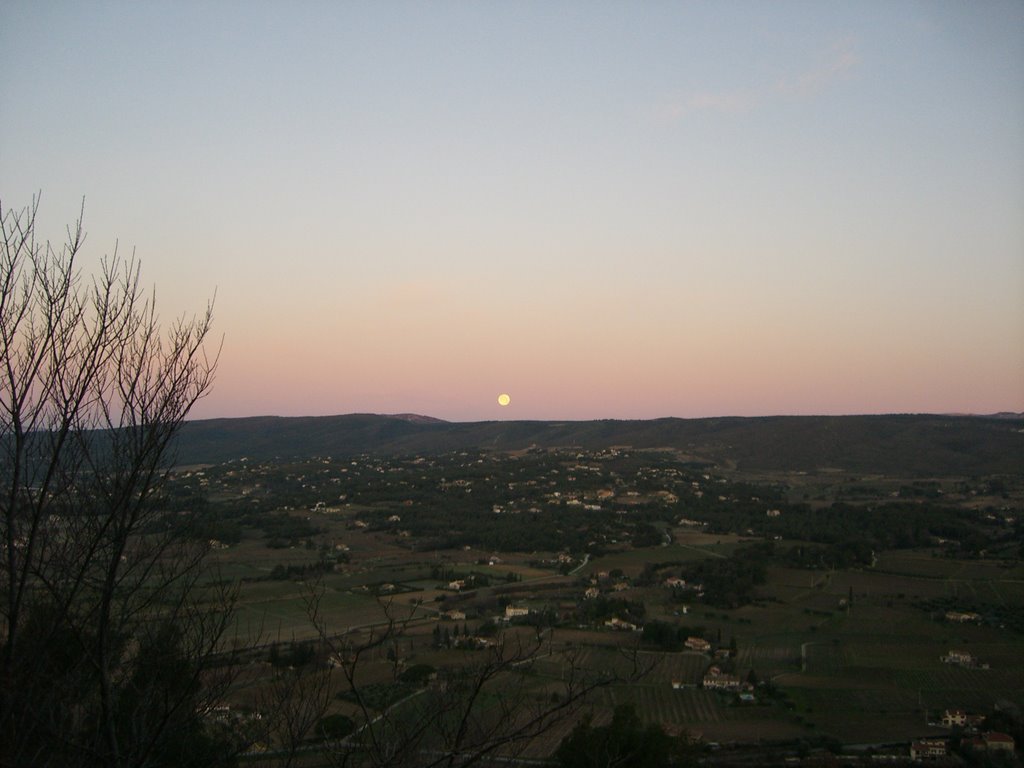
(680, 209)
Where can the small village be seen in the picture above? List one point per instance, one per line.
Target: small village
(737, 593)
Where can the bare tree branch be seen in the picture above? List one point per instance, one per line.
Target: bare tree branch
(99, 581)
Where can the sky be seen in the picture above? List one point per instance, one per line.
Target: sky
(603, 209)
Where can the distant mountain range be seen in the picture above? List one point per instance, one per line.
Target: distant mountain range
(907, 445)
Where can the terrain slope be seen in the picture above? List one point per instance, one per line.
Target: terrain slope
(905, 445)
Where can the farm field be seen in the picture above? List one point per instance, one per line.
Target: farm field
(828, 644)
(868, 671)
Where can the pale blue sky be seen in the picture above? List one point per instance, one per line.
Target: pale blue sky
(607, 209)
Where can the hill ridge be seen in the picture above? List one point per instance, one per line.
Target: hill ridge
(894, 444)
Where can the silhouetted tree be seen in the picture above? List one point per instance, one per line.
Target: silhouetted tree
(459, 716)
(105, 619)
(623, 743)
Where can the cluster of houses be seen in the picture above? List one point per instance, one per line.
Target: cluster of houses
(676, 583)
(937, 749)
(511, 612)
(622, 626)
(963, 659)
(600, 583)
(717, 680)
(563, 558)
(973, 741)
(963, 617)
(992, 741)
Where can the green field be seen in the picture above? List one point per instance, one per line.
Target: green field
(860, 672)
(850, 654)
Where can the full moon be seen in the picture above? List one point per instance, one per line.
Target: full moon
(504, 399)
